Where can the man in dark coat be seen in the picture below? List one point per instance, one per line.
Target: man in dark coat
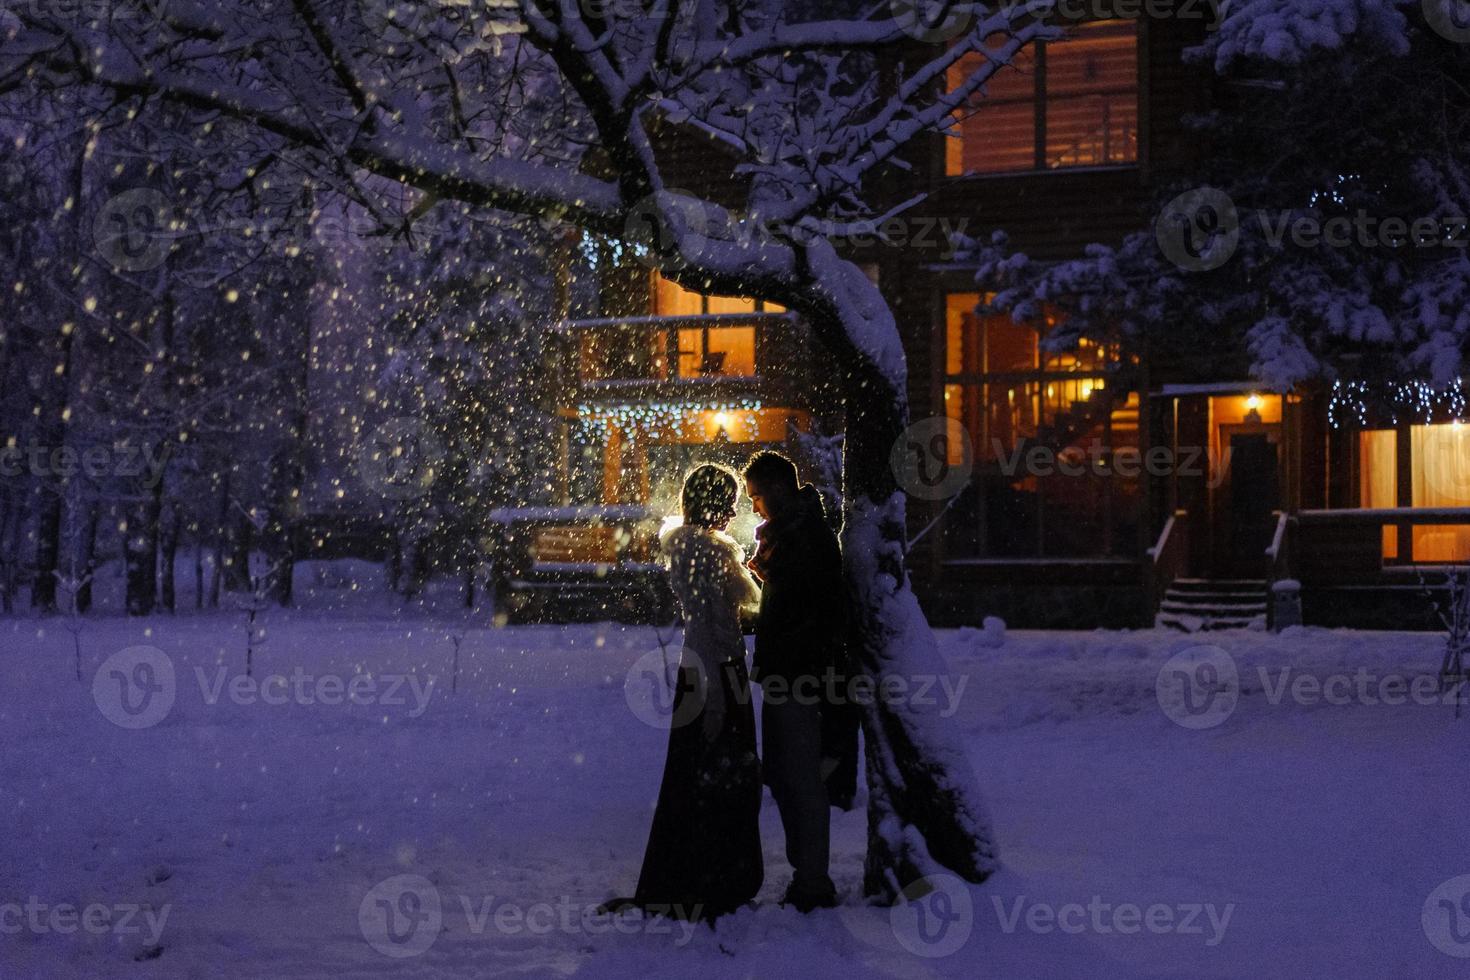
(799, 654)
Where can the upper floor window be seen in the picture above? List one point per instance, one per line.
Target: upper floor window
(706, 349)
(1066, 103)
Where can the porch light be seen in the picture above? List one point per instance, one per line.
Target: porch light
(1253, 402)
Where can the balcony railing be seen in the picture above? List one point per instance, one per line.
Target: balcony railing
(625, 356)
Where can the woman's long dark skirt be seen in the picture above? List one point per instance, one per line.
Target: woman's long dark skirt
(704, 849)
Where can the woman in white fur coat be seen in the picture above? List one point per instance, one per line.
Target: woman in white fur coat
(703, 857)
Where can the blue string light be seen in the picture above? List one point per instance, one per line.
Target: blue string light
(1349, 405)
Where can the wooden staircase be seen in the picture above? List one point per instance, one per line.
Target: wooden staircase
(1196, 604)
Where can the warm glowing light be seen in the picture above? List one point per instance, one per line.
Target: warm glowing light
(722, 420)
(1253, 402)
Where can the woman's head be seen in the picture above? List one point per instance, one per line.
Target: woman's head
(709, 496)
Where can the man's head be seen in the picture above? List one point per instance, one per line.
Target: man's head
(770, 482)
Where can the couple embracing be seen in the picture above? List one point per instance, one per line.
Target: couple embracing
(704, 849)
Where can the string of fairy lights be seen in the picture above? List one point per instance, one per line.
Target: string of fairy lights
(1357, 404)
(601, 419)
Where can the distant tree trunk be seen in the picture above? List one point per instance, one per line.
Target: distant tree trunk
(10, 513)
(235, 553)
(48, 546)
(395, 562)
(291, 482)
(220, 538)
(53, 415)
(87, 554)
(140, 552)
(168, 551)
(198, 569)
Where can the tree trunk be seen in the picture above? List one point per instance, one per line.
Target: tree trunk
(220, 538)
(235, 559)
(925, 811)
(54, 414)
(87, 555)
(198, 569)
(168, 547)
(140, 552)
(48, 544)
(10, 515)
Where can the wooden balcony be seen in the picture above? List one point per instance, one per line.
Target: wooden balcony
(755, 357)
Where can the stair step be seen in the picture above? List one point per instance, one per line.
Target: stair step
(1220, 583)
(1203, 600)
(1213, 612)
(1191, 595)
(1195, 624)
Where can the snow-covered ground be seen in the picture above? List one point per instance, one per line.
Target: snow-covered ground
(1261, 836)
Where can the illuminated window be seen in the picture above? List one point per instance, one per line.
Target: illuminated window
(710, 349)
(672, 299)
(1441, 478)
(1066, 103)
(717, 351)
(1011, 395)
(1439, 467)
(1378, 483)
(1000, 382)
